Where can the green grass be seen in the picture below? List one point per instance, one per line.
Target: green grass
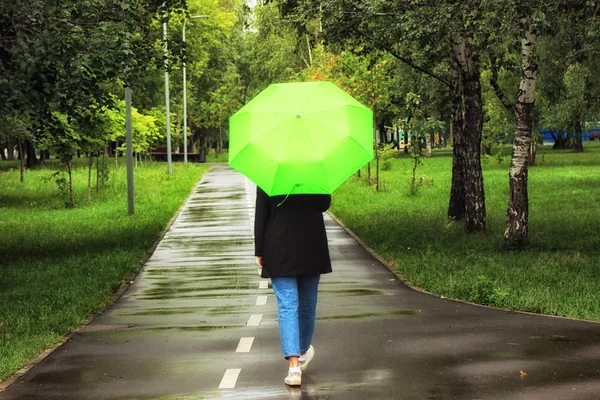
(212, 156)
(60, 266)
(557, 274)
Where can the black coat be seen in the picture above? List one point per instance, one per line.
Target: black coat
(289, 234)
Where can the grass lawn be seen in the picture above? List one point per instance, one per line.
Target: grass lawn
(59, 266)
(213, 156)
(557, 274)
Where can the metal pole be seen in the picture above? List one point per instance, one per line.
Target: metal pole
(185, 160)
(185, 89)
(129, 139)
(167, 106)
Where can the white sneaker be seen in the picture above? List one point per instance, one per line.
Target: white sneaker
(305, 359)
(294, 377)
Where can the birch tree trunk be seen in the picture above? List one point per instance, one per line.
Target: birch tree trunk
(474, 213)
(428, 144)
(517, 215)
(456, 207)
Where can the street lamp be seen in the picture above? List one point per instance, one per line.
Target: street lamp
(167, 105)
(185, 152)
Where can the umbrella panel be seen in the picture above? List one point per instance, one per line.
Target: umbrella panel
(307, 159)
(301, 138)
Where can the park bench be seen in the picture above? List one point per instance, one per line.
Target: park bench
(594, 136)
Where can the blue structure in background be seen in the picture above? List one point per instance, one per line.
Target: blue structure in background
(591, 134)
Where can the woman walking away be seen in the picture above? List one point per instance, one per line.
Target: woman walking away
(291, 249)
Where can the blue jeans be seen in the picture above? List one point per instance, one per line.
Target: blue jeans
(296, 306)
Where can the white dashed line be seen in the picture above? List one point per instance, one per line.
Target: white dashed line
(230, 378)
(254, 320)
(261, 300)
(263, 285)
(245, 345)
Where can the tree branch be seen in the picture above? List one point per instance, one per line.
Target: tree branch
(399, 57)
(494, 82)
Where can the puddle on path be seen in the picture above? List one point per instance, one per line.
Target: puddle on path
(368, 315)
(353, 292)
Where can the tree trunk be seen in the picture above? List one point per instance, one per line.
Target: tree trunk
(22, 166)
(517, 215)
(97, 177)
(90, 164)
(456, 208)
(535, 141)
(44, 155)
(32, 159)
(71, 203)
(377, 174)
(533, 147)
(376, 148)
(11, 150)
(428, 144)
(475, 214)
(220, 144)
(382, 132)
(192, 146)
(116, 157)
(578, 138)
(561, 143)
(473, 126)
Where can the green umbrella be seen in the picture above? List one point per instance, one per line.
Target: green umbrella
(300, 138)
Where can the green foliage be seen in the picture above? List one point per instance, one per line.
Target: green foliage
(385, 154)
(60, 137)
(102, 173)
(14, 127)
(418, 125)
(499, 122)
(364, 76)
(61, 179)
(269, 50)
(568, 114)
(146, 131)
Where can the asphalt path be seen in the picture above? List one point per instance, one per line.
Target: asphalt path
(199, 323)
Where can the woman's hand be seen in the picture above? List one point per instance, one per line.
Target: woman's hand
(259, 261)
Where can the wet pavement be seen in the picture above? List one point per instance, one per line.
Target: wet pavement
(199, 323)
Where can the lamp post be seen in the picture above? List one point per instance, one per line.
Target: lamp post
(167, 106)
(185, 152)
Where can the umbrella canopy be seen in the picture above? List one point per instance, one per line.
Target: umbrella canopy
(301, 138)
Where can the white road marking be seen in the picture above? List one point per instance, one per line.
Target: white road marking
(261, 300)
(254, 320)
(230, 378)
(263, 285)
(245, 345)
